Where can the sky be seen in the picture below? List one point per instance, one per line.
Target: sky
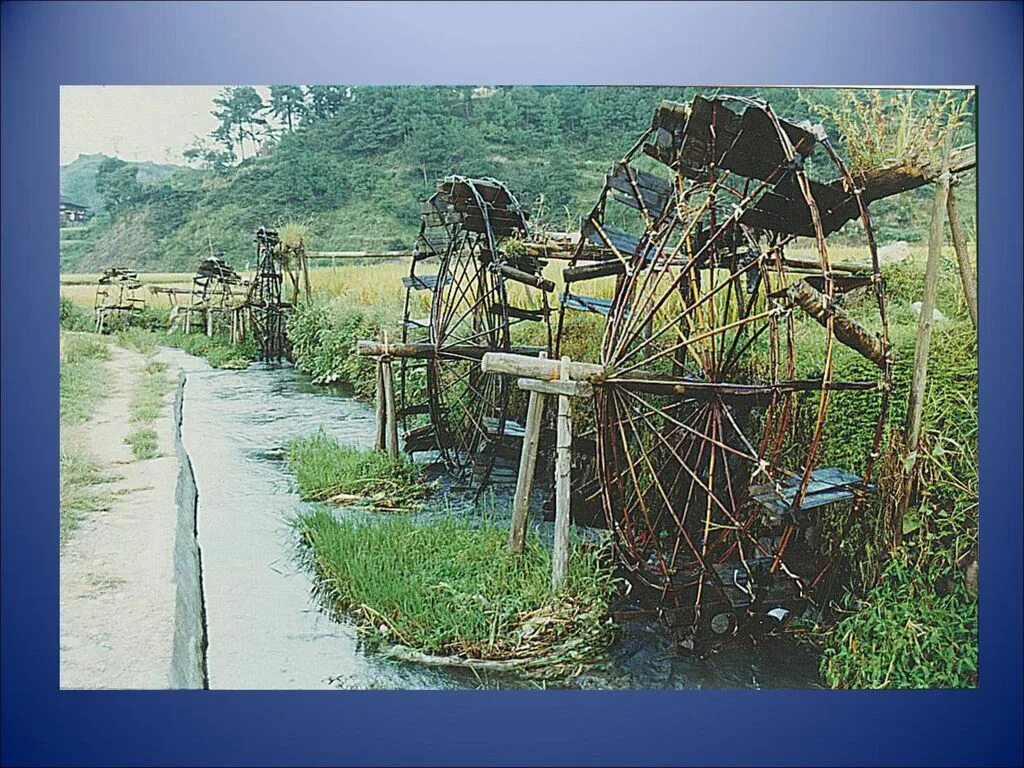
(136, 122)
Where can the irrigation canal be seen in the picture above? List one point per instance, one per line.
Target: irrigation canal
(263, 626)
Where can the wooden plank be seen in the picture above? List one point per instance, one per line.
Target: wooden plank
(563, 481)
(566, 388)
(391, 418)
(527, 469)
(380, 438)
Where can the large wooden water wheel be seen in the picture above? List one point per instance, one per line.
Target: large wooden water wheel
(725, 326)
(469, 291)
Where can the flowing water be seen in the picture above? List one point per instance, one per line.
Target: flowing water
(264, 629)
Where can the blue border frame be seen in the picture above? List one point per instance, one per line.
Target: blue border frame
(44, 45)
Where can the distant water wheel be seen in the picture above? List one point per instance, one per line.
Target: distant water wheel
(721, 362)
(267, 309)
(485, 294)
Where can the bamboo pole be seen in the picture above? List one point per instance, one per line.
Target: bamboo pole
(527, 469)
(563, 469)
(967, 277)
(915, 404)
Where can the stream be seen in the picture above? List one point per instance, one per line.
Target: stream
(263, 626)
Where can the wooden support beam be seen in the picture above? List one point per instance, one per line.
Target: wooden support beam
(563, 480)
(518, 275)
(847, 330)
(369, 348)
(527, 469)
(539, 368)
(567, 388)
(904, 174)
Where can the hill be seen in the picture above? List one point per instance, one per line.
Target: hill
(78, 178)
(354, 173)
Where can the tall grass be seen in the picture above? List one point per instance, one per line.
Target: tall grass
(449, 586)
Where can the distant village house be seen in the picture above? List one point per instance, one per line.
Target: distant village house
(73, 215)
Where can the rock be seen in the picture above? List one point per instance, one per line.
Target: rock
(894, 253)
(971, 576)
(937, 317)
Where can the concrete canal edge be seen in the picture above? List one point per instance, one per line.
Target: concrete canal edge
(188, 654)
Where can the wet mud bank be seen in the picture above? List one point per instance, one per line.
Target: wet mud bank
(188, 659)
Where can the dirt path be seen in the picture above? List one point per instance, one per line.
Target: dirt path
(117, 588)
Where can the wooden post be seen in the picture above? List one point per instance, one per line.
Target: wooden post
(209, 323)
(381, 440)
(563, 468)
(389, 408)
(527, 468)
(967, 278)
(915, 404)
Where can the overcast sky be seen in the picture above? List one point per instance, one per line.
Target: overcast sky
(135, 122)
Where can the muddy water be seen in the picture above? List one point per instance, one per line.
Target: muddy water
(263, 626)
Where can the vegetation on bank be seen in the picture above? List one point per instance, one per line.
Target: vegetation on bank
(145, 405)
(326, 470)
(82, 386)
(449, 587)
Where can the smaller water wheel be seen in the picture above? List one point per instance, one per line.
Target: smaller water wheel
(213, 296)
(267, 310)
(472, 289)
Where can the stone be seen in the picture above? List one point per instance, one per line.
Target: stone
(937, 316)
(894, 253)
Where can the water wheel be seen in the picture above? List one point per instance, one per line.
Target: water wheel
(730, 331)
(472, 289)
(267, 309)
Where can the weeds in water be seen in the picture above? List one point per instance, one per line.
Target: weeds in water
(329, 471)
(143, 442)
(449, 586)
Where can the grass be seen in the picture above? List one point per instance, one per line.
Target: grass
(912, 631)
(146, 404)
(82, 386)
(143, 442)
(82, 376)
(328, 471)
(149, 393)
(78, 497)
(449, 587)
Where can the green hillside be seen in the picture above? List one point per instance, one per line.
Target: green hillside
(358, 160)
